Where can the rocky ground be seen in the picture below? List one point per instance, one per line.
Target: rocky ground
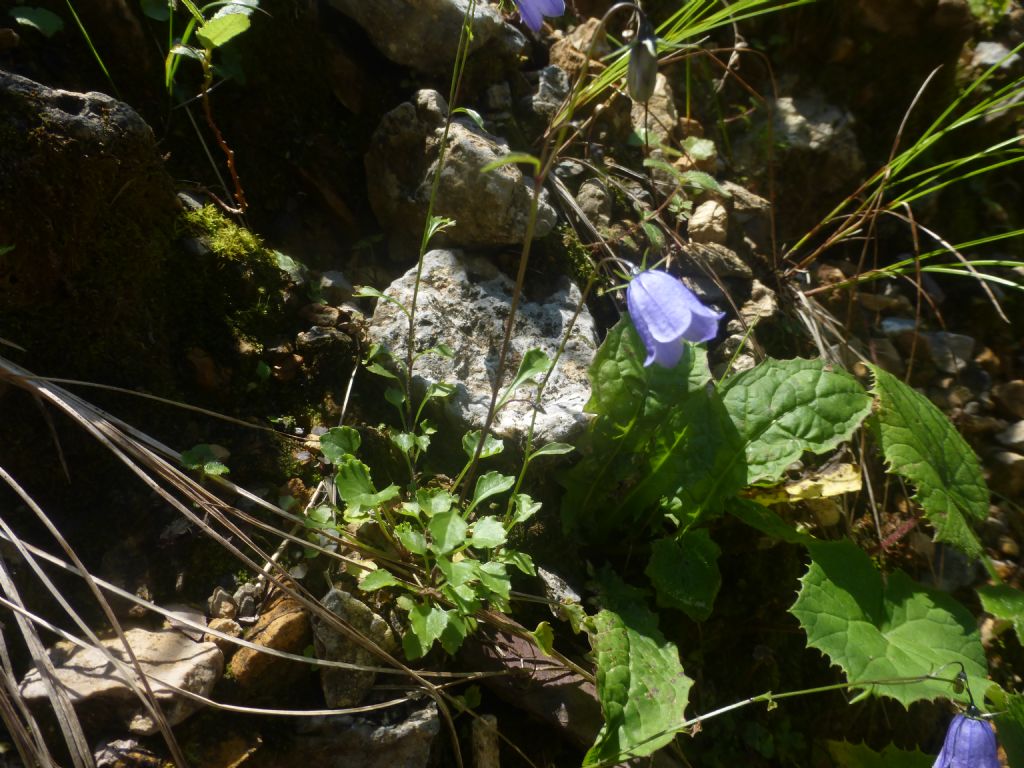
(129, 269)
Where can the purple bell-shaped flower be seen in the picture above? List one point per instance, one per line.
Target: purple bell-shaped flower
(970, 743)
(665, 313)
(532, 12)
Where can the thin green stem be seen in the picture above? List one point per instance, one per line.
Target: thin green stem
(465, 36)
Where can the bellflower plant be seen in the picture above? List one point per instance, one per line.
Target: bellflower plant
(665, 313)
(532, 12)
(970, 743)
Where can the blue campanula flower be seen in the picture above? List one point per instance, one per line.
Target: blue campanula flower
(533, 11)
(665, 313)
(970, 743)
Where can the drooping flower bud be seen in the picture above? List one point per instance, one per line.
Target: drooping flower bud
(665, 313)
(642, 73)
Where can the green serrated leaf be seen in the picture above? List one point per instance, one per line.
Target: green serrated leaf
(426, 623)
(782, 408)
(544, 637)
(46, 22)
(438, 224)
(207, 458)
(439, 389)
(534, 363)
(659, 432)
(1006, 603)
(356, 488)
(703, 181)
(525, 508)
(353, 479)
(404, 441)
(522, 561)
(472, 114)
(394, 395)
(220, 29)
(920, 444)
(492, 445)
(494, 577)
(378, 579)
(339, 441)
(457, 572)
(448, 531)
(881, 629)
(640, 682)
(684, 573)
(320, 516)
(454, 632)
(434, 501)
(380, 370)
(699, 148)
(654, 236)
(369, 292)
(551, 449)
(488, 485)
(848, 755)
(766, 521)
(411, 538)
(488, 533)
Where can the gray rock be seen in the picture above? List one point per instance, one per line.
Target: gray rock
(463, 302)
(322, 315)
(335, 287)
(884, 354)
(810, 124)
(348, 687)
(1010, 397)
(498, 97)
(98, 691)
(552, 88)
(814, 148)
(705, 288)
(659, 116)
(247, 597)
(709, 223)
(897, 326)
(763, 303)
(716, 259)
(352, 742)
(318, 341)
(1013, 436)
(489, 209)
(750, 215)
(221, 604)
(989, 53)
(187, 619)
(86, 200)
(118, 753)
(1007, 473)
(595, 202)
(734, 352)
(950, 352)
(424, 34)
